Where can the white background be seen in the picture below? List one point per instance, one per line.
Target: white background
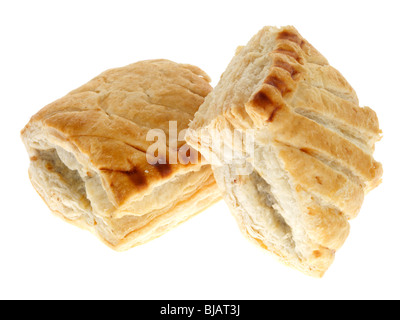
(51, 47)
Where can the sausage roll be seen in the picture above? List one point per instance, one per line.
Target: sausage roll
(292, 149)
(89, 153)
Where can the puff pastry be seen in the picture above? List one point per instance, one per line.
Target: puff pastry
(312, 160)
(88, 153)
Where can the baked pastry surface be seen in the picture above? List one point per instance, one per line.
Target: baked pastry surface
(311, 161)
(89, 159)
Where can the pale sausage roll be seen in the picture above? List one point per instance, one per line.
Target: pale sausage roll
(312, 159)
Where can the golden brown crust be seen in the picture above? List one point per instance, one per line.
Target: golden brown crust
(89, 158)
(296, 56)
(281, 91)
(108, 118)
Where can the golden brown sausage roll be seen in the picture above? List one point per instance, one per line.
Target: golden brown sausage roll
(89, 153)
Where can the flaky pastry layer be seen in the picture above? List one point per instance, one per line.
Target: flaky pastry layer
(89, 158)
(312, 161)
